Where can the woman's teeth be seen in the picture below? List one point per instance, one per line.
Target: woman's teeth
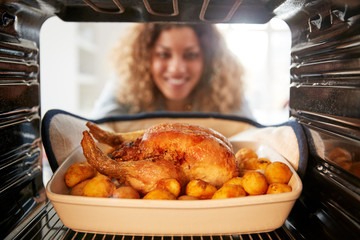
(176, 81)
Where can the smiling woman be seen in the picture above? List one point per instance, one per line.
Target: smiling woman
(174, 67)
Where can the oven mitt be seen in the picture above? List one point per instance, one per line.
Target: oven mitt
(62, 132)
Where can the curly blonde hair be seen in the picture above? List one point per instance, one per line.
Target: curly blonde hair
(220, 87)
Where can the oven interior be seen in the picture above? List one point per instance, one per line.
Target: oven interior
(324, 97)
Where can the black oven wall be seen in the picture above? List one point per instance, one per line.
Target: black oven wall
(325, 98)
(21, 188)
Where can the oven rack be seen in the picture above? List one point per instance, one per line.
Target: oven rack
(174, 9)
(205, 11)
(47, 225)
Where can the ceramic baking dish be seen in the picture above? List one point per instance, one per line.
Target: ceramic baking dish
(173, 217)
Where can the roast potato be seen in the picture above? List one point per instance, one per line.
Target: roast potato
(125, 192)
(78, 172)
(278, 188)
(234, 181)
(200, 189)
(170, 184)
(229, 191)
(254, 183)
(277, 172)
(187, 197)
(159, 194)
(99, 186)
(78, 189)
(245, 153)
(256, 163)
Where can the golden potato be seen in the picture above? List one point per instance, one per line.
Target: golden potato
(229, 191)
(78, 172)
(159, 194)
(245, 153)
(78, 189)
(200, 189)
(278, 188)
(170, 184)
(254, 183)
(187, 197)
(256, 163)
(127, 192)
(234, 181)
(99, 186)
(278, 172)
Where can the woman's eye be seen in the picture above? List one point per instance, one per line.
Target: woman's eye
(192, 55)
(163, 55)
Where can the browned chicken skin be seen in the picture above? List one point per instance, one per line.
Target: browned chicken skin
(180, 151)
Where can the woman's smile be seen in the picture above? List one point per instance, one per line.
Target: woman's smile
(176, 81)
(177, 63)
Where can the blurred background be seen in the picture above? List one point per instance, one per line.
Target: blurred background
(75, 65)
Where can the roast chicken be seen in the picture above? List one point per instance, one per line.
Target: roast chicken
(166, 150)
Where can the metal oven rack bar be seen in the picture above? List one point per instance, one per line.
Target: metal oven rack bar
(101, 10)
(47, 225)
(175, 9)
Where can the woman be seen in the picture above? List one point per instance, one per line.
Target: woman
(173, 67)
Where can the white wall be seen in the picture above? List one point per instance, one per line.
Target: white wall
(74, 63)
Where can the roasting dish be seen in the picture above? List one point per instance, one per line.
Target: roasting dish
(173, 217)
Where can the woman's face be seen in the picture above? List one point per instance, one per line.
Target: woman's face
(177, 62)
